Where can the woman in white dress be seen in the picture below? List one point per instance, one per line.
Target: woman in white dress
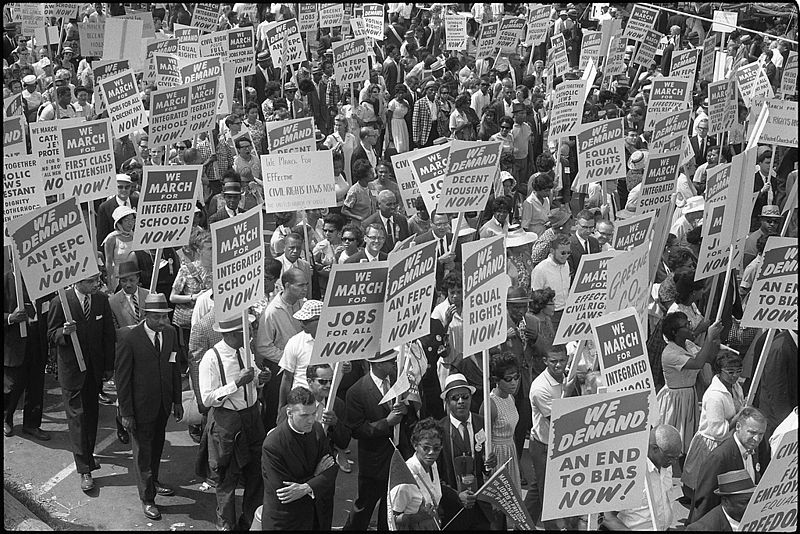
(341, 139)
(396, 112)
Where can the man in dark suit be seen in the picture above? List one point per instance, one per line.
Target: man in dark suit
(315, 108)
(232, 193)
(463, 462)
(396, 225)
(374, 237)
(23, 359)
(582, 241)
(440, 231)
(701, 142)
(261, 77)
(92, 321)
(149, 388)
(105, 221)
(391, 70)
(372, 424)
(321, 90)
(735, 490)
(734, 453)
(365, 149)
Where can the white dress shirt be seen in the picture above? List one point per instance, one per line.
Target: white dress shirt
(210, 382)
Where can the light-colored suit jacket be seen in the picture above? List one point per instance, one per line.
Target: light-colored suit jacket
(122, 311)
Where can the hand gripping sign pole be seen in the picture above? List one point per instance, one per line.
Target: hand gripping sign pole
(76, 344)
(23, 326)
(337, 379)
(246, 330)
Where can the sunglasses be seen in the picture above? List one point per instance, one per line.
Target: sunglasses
(510, 378)
(461, 396)
(348, 239)
(323, 381)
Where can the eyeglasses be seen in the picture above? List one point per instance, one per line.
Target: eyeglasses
(461, 396)
(323, 381)
(510, 378)
(586, 227)
(428, 449)
(733, 370)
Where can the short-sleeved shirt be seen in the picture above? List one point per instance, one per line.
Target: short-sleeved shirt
(544, 389)
(360, 200)
(673, 358)
(549, 274)
(521, 133)
(296, 355)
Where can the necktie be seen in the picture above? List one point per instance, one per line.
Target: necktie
(702, 147)
(389, 234)
(241, 366)
(157, 343)
(385, 386)
(291, 109)
(87, 307)
(465, 437)
(442, 246)
(747, 458)
(135, 305)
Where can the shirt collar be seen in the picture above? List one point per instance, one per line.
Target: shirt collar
(456, 423)
(150, 333)
(731, 521)
(369, 256)
(384, 219)
(741, 447)
(80, 295)
(289, 422)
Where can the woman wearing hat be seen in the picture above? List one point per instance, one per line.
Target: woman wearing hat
(117, 244)
(518, 254)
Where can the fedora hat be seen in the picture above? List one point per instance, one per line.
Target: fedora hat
(30, 79)
(385, 356)
(311, 309)
(517, 295)
(155, 302)
(121, 212)
(123, 178)
(128, 268)
(557, 217)
(771, 211)
(638, 160)
(232, 188)
(232, 325)
(694, 204)
(517, 237)
(734, 483)
(455, 381)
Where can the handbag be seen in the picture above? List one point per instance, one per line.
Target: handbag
(191, 415)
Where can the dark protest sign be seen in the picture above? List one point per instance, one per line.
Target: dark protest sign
(632, 232)
(46, 146)
(125, 108)
(350, 58)
(12, 106)
(166, 206)
(586, 299)
(485, 285)
(177, 114)
(409, 295)
(597, 456)
(667, 96)
(620, 342)
(429, 165)
(773, 506)
(471, 171)
(238, 259)
(350, 325)
(293, 135)
(23, 189)
(503, 495)
(707, 61)
(102, 70)
(206, 16)
(14, 136)
(641, 20)
(88, 160)
(721, 106)
(773, 298)
(601, 152)
(660, 177)
(648, 48)
(53, 247)
(669, 126)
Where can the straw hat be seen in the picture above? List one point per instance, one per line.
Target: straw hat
(385, 356)
(517, 237)
(232, 325)
(455, 381)
(121, 212)
(517, 295)
(771, 211)
(155, 302)
(638, 160)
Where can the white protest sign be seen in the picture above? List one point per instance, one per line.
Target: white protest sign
(717, 236)
(373, 21)
(616, 57)
(485, 285)
(206, 69)
(409, 190)
(102, 70)
(721, 106)
(168, 72)
(53, 247)
(214, 44)
(586, 299)
(23, 188)
(350, 61)
(166, 206)
(590, 48)
(428, 166)
(238, 258)
(46, 147)
(295, 51)
(331, 16)
(629, 282)
(684, 64)
(709, 53)
(146, 18)
(308, 17)
(567, 112)
(647, 48)
(125, 108)
(773, 298)
(597, 455)
(660, 177)
(789, 78)
(91, 36)
(633, 231)
(601, 152)
(668, 95)
(352, 317)
(14, 137)
(487, 44)
(296, 181)
(472, 169)
(122, 39)
(294, 135)
(179, 113)
(409, 295)
(40, 37)
(752, 81)
(724, 21)
(242, 51)
(620, 343)
(188, 41)
(61, 9)
(163, 46)
(538, 21)
(560, 59)
(455, 31)
(88, 160)
(641, 20)
(206, 16)
(781, 126)
(664, 129)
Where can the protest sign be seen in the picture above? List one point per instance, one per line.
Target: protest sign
(752, 81)
(668, 95)
(567, 112)
(560, 59)
(721, 106)
(455, 31)
(632, 232)
(590, 48)
(168, 72)
(88, 160)
(14, 136)
(717, 235)
(538, 21)
(122, 39)
(509, 34)
(773, 298)
(409, 190)
(629, 281)
(781, 126)
(597, 455)
(350, 59)
(773, 506)
(188, 41)
(616, 58)
(487, 44)
(485, 285)
(295, 51)
(471, 171)
(357, 26)
(294, 135)
(331, 15)
(238, 258)
(61, 9)
(46, 147)
(148, 26)
(684, 64)
(102, 70)
(707, 61)
(42, 35)
(620, 343)
(352, 315)
(789, 77)
(724, 21)
(242, 51)
(206, 17)
(166, 206)
(248, 11)
(409, 295)
(214, 44)
(23, 188)
(428, 166)
(53, 247)
(295, 181)
(91, 36)
(608, 29)
(648, 48)
(13, 106)
(641, 20)
(32, 18)
(660, 177)
(670, 125)
(206, 69)
(586, 299)
(503, 495)
(601, 152)
(373, 21)
(308, 17)
(164, 46)
(177, 114)
(125, 108)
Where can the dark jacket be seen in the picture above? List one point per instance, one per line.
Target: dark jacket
(576, 252)
(401, 231)
(14, 344)
(361, 256)
(221, 215)
(360, 153)
(713, 521)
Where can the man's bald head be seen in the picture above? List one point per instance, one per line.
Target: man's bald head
(665, 445)
(387, 203)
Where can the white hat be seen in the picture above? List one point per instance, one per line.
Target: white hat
(232, 325)
(385, 356)
(694, 204)
(455, 381)
(638, 160)
(311, 309)
(121, 212)
(124, 178)
(30, 79)
(517, 237)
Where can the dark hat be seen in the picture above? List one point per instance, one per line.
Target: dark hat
(518, 106)
(734, 483)
(232, 188)
(557, 217)
(517, 295)
(156, 303)
(435, 343)
(128, 268)
(262, 56)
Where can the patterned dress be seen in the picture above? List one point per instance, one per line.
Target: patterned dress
(503, 435)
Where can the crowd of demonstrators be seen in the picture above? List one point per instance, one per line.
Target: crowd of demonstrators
(268, 426)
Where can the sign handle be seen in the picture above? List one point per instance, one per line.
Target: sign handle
(650, 506)
(337, 379)
(154, 276)
(455, 234)
(726, 284)
(573, 368)
(23, 326)
(76, 344)
(248, 360)
(91, 226)
(487, 403)
(50, 50)
(401, 369)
